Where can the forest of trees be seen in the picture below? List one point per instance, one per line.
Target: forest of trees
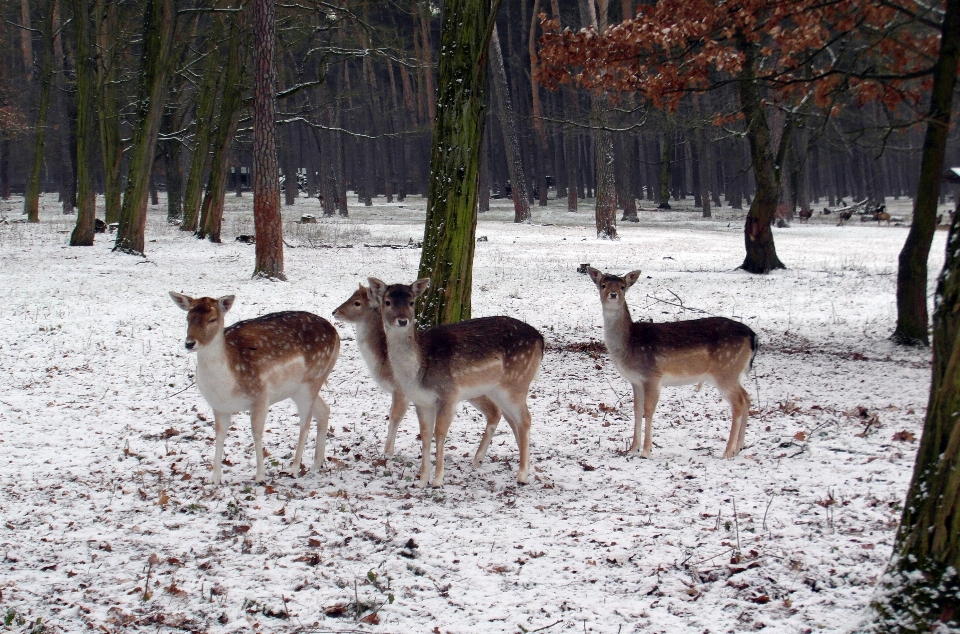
(356, 104)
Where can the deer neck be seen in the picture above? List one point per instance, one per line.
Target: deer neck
(372, 342)
(616, 331)
(216, 376)
(403, 350)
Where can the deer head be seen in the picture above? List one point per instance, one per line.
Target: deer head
(396, 301)
(613, 288)
(204, 318)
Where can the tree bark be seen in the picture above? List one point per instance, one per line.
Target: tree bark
(108, 115)
(203, 122)
(158, 35)
(761, 254)
(448, 240)
(537, 108)
(212, 209)
(31, 197)
(267, 220)
(508, 124)
(912, 316)
(83, 232)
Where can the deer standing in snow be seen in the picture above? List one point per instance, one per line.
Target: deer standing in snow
(258, 362)
(362, 311)
(496, 357)
(716, 350)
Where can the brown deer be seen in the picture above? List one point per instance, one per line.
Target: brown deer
(362, 311)
(715, 350)
(258, 362)
(496, 357)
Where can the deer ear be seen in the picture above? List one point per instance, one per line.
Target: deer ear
(631, 278)
(420, 286)
(181, 300)
(377, 289)
(595, 275)
(226, 302)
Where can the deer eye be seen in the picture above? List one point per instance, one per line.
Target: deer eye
(212, 321)
(386, 303)
(356, 303)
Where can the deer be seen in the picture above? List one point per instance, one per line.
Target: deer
(715, 350)
(258, 362)
(496, 357)
(361, 310)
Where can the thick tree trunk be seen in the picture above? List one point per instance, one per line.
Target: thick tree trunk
(448, 240)
(623, 177)
(31, 197)
(267, 220)
(758, 235)
(212, 210)
(912, 272)
(4, 166)
(83, 232)
(158, 35)
(508, 124)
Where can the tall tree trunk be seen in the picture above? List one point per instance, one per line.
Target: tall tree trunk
(158, 35)
(508, 124)
(106, 17)
(921, 590)
(83, 232)
(448, 239)
(666, 146)
(483, 196)
(758, 235)
(912, 316)
(31, 197)
(537, 109)
(4, 165)
(624, 182)
(200, 159)
(267, 220)
(26, 40)
(65, 129)
(212, 210)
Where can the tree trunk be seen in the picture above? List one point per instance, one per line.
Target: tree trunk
(4, 165)
(158, 35)
(448, 239)
(912, 316)
(203, 122)
(268, 222)
(508, 124)
(212, 210)
(108, 115)
(83, 232)
(537, 109)
(758, 236)
(623, 177)
(31, 197)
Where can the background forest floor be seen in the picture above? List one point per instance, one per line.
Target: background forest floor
(107, 448)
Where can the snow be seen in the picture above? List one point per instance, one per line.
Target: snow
(108, 447)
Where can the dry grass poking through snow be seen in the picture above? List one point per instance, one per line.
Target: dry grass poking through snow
(109, 522)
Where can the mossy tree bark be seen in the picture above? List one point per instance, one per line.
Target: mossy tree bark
(912, 317)
(448, 239)
(267, 221)
(921, 590)
(83, 232)
(31, 197)
(158, 34)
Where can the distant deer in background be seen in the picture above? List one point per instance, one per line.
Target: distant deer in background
(715, 350)
(362, 311)
(496, 357)
(258, 362)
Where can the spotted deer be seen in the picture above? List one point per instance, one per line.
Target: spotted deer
(362, 311)
(495, 357)
(256, 363)
(716, 350)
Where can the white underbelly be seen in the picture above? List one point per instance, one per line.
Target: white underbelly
(671, 379)
(222, 393)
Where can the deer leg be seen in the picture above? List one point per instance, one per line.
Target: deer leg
(518, 416)
(743, 420)
(221, 425)
(304, 403)
(321, 411)
(258, 419)
(427, 417)
(637, 416)
(492, 413)
(734, 396)
(651, 394)
(445, 415)
(397, 409)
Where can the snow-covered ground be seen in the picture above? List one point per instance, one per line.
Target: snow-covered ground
(109, 521)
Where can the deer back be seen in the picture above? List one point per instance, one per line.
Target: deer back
(684, 350)
(471, 355)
